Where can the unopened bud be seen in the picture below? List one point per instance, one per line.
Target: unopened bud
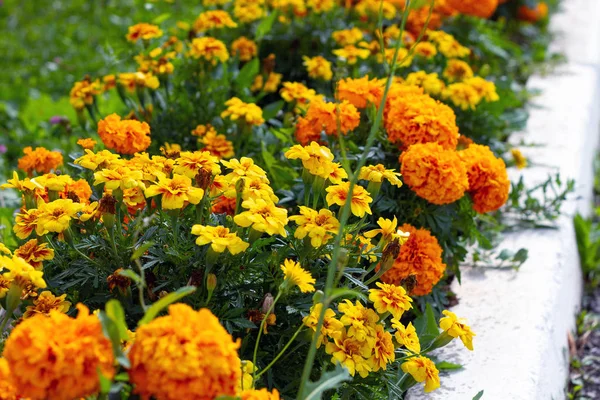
(267, 303)
(211, 282)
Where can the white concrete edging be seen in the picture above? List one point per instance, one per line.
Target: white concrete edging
(522, 318)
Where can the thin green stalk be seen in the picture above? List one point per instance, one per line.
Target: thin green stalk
(260, 331)
(278, 356)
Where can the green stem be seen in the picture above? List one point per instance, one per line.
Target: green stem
(260, 331)
(288, 344)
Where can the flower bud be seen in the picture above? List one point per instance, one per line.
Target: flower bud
(267, 303)
(211, 282)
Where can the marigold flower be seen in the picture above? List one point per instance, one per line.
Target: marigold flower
(425, 49)
(26, 223)
(59, 357)
(422, 17)
(244, 167)
(39, 160)
(318, 67)
(352, 353)
(457, 327)
(7, 388)
(360, 92)
(35, 253)
(132, 81)
(21, 273)
(431, 84)
(489, 185)
(270, 86)
(477, 8)
(263, 216)
(351, 54)
(206, 367)
(332, 328)
(462, 95)
(316, 159)
(520, 160)
(102, 159)
(420, 256)
(295, 275)
(485, 89)
(143, 31)
(219, 238)
(175, 192)
(390, 298)
(191, 163)
(210, 49)
(407, 336)
(247, 12)
(119, 178)
(447, 44)
(87, 143)
(383, 349)
(457, 70)
(244, 48)
(320, 6)
(22, 185)
(347, 36)
(422, 369)
(47, 302)
(433, 173)
(388, 229)
(54, 182)
(78, 190)
(361, 321)
(84, 92)
(262, 394)
(332, 117)
(256, 188)
(320, 226)
(370, 8)
(213, 19)
(126, 136)
(217, 145)
(377, 173)
(533, 15)
(56, 216)
(248, 112)
(417, 118)
(359, 199)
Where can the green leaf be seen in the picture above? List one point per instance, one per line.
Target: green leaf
(141, 250)
(111, 331)
(247, 73)
(426, 325)
(478, 396)
(169, 299)
(161, 18)
(131, 275)
(105, 383)
(115, 312)
(447, 366)
(329, 380)
(271, 110)
(265, 26)
(344, 292)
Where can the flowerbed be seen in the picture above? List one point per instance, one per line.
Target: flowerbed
(260, 171)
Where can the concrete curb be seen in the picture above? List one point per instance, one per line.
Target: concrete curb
(522, 318)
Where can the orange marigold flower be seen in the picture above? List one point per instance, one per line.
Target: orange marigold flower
(244, 48)
(417, 18)
(126, 136)
(224, 205)
(489, 185)
(434, 173)
(326, 116)
(59, 357)
(217, 145)
(7, 388)
(477, 8)
(78, 191)
(35, 253)
(83, 93)
(361, 92)
(533, 15)
(421, 257)
(143, 31)
(40, 160)
(213, 19)
(206, 367)
(417, 118)
(87, 143)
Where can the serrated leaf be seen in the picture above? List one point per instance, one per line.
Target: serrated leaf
(141, 250)
(329, 380)
(169, 299)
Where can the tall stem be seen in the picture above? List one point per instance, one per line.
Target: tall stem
(260, 331)
(281, 353)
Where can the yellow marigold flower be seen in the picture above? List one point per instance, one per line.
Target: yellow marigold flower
(219, 239)
(462, 95)
(489, 185)
(134, 80)
(257, 188)
(320, 226)
(39, 160)
(332, 328)
(477, 8)
(143, 31)
(347, 36)
(317, 159)
(124, 136)
(360, 92)
(295, 275)
(244, 48)
(87, 143)
(352, 353)
(320, 6)
(213, 19)
(7, 388)
(425, 49)
(4, 287)
(318, 67)
(377, 173)
(26, 223)
(102, 159)
(248, 12)
(47, 302)
(361, 321)
(388, 230)
(351, 54)
(447, 44)
(359, 199)
(248, 112)
(60, 357)
(119, 178)
(247, 381)
(422, 369)
(210, 49)
(430, 83)
(208, 363)
(175, 192)
(217, 145)
(56, 216)
(338, 174)
(34, 253)
(92, 210)
(263, 216)
(297, 92)
(83, 93)
(420, 256)
(23, 185)
(457, 327)
(54, 182)
(110, 81)
(434, 173)
(417, 118)
(21, 273)
(6, 250)
(370, 8)
(407, 336)
(485, 89)
(297, 7)
(262, 394)
(390, 298)
(244, 167)
(190, 163)
(203, 129)
(270, 86)
(520, 160)
(457, 70)
(383, 349)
